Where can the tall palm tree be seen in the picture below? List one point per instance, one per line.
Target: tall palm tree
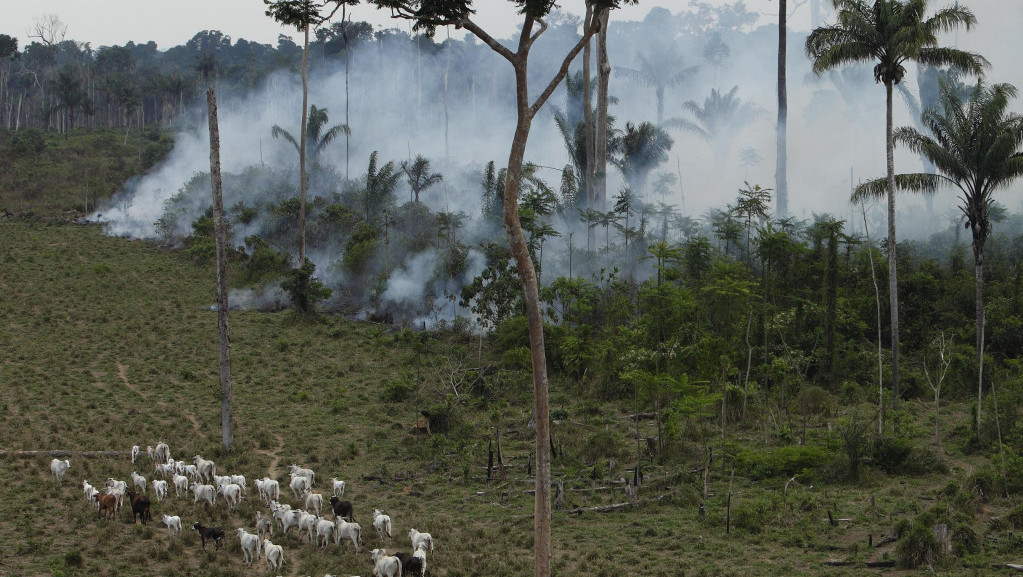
(977, 147)
(890, 33)
(644, 147)
(316, 138)
(380, 185)
(660, 69)
(717, 120)
(419, 176)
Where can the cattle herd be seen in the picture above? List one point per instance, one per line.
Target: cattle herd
(310, 523)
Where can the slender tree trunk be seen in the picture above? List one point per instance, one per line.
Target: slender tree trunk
(781, 167)
(220, 231)
(588, 133)
(659, 92)
(301, 152)
(600, 146)
(978, 260)
(893, 282)
(447, 66)
(877, 298)
(348, 133)
(527, 272)
(830, 305)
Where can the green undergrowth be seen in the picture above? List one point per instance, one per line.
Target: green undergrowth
(49, 177)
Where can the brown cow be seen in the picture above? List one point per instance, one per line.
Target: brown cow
(139, 507)
(107, 505)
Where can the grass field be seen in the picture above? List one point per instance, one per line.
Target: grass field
(108, 343)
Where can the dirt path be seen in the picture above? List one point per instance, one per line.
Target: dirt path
(195, 422)
(271, 470)
(122, 372)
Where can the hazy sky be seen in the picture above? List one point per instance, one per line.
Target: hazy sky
(115, 22)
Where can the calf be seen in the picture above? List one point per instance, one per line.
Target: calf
(173, 523)
(214, 534)
(107, 505)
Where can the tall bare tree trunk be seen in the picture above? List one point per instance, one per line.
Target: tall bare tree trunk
(781, 165)
(600, 144)
(301, 152)
(893, 282)
(220, 233)
(348, 133)
(588, 136)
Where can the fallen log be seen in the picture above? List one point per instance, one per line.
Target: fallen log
(63, 453)
(880, 564)
(645, 416)
(886, 541)
(606, 508)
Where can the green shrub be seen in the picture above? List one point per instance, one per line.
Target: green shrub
(303, 288)
(602, 445)
(28, 142)
(751, 515)
(918, 547)
(517, 359)
(787, 461)
(399, 390)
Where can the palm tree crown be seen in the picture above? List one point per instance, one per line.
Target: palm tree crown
(316, 139)
(891, 32)
(660, 69)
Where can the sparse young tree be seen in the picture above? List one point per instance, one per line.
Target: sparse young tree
(941, 347)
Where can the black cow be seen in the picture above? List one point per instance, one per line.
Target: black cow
(209, 533)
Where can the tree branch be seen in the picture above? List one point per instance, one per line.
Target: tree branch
(486, 38)
(532, 39)
(587, 35)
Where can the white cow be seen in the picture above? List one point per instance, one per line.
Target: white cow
(250, 546)
(173, 523)
(58, 468)
(274, 555)
(386, 565)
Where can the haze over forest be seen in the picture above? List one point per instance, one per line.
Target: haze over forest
(450, 99)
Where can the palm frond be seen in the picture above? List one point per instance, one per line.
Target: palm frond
(878, 187)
